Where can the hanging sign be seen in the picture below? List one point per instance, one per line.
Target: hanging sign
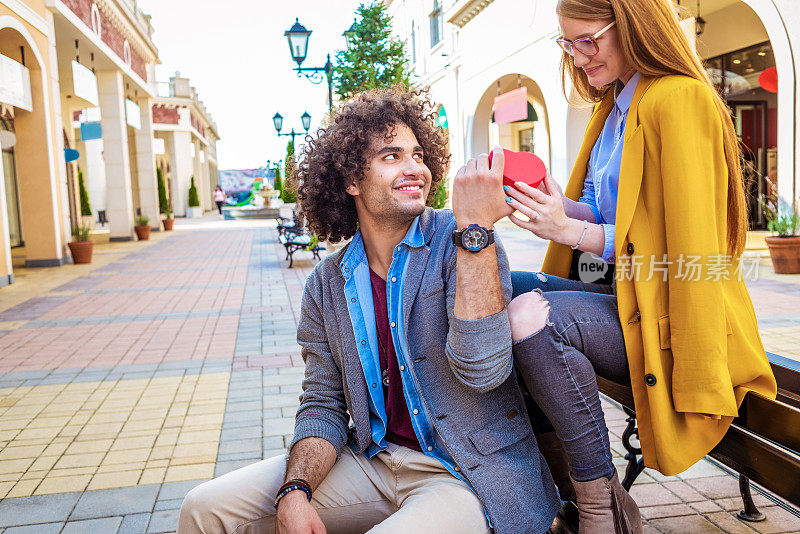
(511, 106)
(91, 131)
(15, 84)
(132, 114)
(70, 154)
(84, 84)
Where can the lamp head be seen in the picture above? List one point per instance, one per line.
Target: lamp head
(298, 36)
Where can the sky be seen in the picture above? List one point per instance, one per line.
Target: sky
(237, 58)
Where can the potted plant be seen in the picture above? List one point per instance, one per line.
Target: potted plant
(142, 227)
(194, 210)
(81, 248)
(169, 220)
(784, 248)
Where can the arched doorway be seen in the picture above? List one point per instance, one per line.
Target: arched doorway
(530, 134)
(744, 59)
(36, 132)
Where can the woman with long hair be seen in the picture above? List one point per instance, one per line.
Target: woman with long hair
(656, 190)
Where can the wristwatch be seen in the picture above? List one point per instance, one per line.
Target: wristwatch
(473, 238)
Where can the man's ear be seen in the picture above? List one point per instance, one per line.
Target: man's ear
(352, 189)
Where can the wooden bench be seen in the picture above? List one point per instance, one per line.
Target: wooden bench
(762, 445)
(294, 239)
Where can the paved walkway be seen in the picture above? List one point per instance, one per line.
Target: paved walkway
(126, 382)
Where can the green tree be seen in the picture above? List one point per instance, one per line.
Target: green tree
(163, 203)
(440, 197)
(277, 185)
(86, 207)
(194, 199)
(374, 58)
(289, 187)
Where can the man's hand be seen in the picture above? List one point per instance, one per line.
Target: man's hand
(297, 516)
(478, 195)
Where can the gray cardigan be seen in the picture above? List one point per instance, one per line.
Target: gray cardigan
(465, 372)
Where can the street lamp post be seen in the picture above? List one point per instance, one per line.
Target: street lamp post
(277, 121)
(298, 36)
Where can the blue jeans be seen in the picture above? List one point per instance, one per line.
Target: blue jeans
(582, 337)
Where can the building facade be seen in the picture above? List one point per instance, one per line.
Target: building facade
(471, 51)
(186, 144)
(77, 101)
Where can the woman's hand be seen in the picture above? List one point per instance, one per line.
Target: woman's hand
(545, 210)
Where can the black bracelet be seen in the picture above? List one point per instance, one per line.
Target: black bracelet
(291, 486)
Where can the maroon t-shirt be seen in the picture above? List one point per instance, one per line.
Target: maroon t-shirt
(398, 421)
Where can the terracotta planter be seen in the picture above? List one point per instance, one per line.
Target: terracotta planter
(785, 253)
(168, 224)
(81, 251)
(142, 232)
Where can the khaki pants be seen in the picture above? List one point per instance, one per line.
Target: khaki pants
(398, 490)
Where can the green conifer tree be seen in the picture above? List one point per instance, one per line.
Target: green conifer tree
(278, 184)
(373, 58)
(289, 187)
(86, 207)
(163, 202)
(194, 198)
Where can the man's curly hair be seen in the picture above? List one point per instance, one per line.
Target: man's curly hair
(339, 154)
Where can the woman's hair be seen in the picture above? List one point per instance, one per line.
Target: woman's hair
(339, 154)
(653, 43)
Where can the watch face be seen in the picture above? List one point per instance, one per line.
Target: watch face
(474, 238)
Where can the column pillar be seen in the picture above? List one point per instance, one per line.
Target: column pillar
(146, 165)
(115, 152)
(6, 272)
(182, 167)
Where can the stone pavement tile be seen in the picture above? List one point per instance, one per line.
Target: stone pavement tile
(134, 524)
(735, 503)
(104, 525)
(177, 490)
(668, 510)
(730, 523)
(173, 504)
(39, 509)
(778, 520)
(701, 469)
(718, 487)
(115, 502)
(684, 491)
(688, 524)
(653, 495)
(177, 473)
(240, 446)
(243, 432)
(42, 528)
(163, 521)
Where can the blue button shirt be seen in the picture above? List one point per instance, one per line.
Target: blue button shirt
(600, 189)
(358, 292)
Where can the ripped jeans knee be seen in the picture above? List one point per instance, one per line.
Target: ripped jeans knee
(528, 314)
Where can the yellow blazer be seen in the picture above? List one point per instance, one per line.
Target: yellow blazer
(696, 341)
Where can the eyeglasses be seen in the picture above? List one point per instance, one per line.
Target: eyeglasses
(586, 46)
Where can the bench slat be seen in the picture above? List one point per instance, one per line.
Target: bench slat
(770, 419)
(761, 461)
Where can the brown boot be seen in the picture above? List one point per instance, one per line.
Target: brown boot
(553, 451)
(604, 507)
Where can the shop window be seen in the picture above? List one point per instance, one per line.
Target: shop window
(10, 178)
(746, 80)
(437, 23)
(526, 140)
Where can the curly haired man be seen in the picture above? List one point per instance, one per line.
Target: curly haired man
(405, 332)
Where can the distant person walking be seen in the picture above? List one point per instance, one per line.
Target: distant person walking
(219, 198)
